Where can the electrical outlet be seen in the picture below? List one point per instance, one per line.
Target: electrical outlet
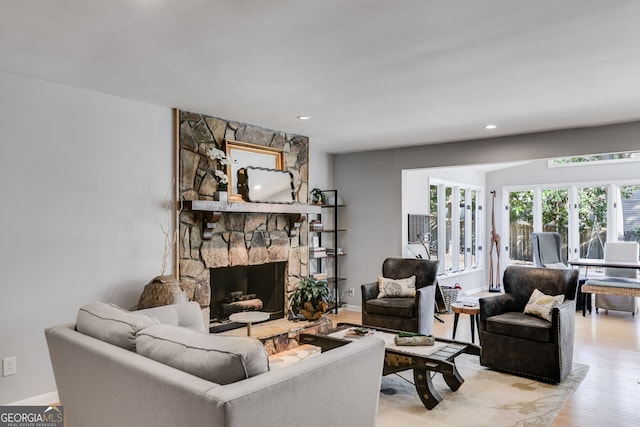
(352, 291)
(9, 366)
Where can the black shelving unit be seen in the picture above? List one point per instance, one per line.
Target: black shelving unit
(331, 237)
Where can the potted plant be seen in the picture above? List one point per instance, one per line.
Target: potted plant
(319, 198)
(311, 298)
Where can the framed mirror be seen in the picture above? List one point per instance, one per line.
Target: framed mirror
(266, 185)
(243, 155)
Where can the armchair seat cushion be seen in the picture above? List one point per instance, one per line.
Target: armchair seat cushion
(398, 307)
(519, 325)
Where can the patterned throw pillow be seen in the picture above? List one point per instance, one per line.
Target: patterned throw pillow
(540, 305)
(396, 288)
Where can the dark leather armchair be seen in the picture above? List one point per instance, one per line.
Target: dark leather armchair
(404, 314)
(522, 344)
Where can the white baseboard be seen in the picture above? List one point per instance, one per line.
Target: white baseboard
(41, 400)
(351, 307)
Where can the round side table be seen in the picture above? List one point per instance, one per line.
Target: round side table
(473, 310)
(249, 317)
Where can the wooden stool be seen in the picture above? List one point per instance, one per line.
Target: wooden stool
(473, 310)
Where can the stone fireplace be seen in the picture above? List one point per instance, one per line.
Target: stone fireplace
(227, 237)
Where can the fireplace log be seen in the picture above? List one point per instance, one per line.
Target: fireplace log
(237, 306)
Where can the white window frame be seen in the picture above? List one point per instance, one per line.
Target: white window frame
(455, 227)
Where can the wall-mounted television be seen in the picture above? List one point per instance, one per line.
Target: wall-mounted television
(419, 229)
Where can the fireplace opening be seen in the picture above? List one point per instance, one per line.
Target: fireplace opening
(246, 288)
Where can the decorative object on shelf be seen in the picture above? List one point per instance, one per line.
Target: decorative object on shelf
(162, 290)
(410, 338)
(311, 298)
(222, 161)
(316, 225)
(318, 197)
(358, 332)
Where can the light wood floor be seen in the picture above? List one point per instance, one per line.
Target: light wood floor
(609, 343)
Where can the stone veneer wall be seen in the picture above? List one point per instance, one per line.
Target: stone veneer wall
(238, 239)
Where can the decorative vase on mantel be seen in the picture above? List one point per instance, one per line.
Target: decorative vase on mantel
(221, 196)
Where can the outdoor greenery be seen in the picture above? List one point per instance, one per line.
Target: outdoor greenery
(592, 206)
(597, 157)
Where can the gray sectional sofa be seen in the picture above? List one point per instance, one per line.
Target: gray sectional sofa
(104, 380)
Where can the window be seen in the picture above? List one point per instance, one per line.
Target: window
(520, 227)
(592, 217)
(457, 244)
(595, 158)
(586, 217)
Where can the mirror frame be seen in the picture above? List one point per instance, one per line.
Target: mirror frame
(258, 156)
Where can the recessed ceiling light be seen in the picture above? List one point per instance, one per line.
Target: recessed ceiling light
(490, 126)
(304, 117)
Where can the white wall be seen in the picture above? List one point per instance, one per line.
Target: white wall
(371, 183)
(83, 181)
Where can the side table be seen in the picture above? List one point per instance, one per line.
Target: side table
(249, 317)
(473, 310)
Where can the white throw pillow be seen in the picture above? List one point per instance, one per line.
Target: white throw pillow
(540, 305)
(396, 288)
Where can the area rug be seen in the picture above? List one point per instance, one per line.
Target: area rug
(487, 398)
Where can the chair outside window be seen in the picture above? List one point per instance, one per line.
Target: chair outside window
(547, 250)
(619, 251)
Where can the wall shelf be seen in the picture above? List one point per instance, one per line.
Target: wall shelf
(328, 262)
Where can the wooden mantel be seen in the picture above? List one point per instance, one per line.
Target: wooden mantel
(297, 212)
(247, 207)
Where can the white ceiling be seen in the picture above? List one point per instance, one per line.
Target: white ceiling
(371, 73)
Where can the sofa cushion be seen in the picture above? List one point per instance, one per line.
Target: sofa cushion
(112, 324)
(220, 359)
(540, 305)
(519, 325)
(398, 307)
(396, 288)
(188, 315)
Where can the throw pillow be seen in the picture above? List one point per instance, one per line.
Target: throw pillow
(112, 324)
(396, 288)
(220, 359)
(540, 305)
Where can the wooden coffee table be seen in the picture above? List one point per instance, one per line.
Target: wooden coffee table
(423, 360)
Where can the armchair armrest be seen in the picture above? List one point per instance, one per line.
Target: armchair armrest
(493, 305)
(563, 321)
(425, 307)
(369, 291)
